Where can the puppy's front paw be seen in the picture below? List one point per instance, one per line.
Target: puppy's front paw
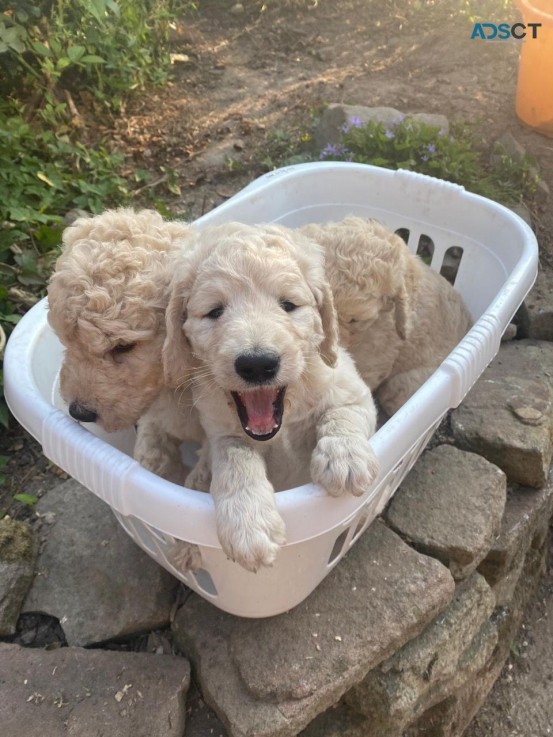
(341, 464)
(250, 537)
(199, 477)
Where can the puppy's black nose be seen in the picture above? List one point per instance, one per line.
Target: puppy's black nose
(257, 368)
(82, 414)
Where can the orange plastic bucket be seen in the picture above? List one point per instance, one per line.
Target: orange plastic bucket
(534, 102)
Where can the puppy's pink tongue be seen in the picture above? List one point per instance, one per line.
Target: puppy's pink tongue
(259, 405)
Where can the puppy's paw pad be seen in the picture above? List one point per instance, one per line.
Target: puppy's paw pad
(342, 464)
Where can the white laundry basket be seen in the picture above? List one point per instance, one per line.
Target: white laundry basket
(497, 269)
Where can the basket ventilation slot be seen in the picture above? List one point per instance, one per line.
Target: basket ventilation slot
(361, 524)
(403, 234)
(451, 263)
(205, 582)
(337, 547)
(425, 249)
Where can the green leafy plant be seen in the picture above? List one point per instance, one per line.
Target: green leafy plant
(407, 143)
(43, 175)
(28, 499)
(284, 148)
(107, 46)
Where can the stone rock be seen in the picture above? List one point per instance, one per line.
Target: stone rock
(452, 714)
(88, 693)
(451, 717)
(524, 524)
(336, 115)
(201, 721)
(432, 666)
(272, 677)
(338, 721)
(435, 120)
(92, 576)
(540, 306)
(508, 415)
(450, 506)
(217, 157)
(508, 144)
(18, 553)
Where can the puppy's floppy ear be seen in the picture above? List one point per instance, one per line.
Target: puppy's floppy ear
(402, 311)
(325, 302)
(403, 299)
(311, 255)
(176, 352)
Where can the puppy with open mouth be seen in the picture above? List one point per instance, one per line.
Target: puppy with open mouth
(251, 327)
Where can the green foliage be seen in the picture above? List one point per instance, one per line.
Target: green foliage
(284, 148)
(410, 144)
(43, 174)
(107, 46)
(28, 499)
(58, 59)
(493, 11)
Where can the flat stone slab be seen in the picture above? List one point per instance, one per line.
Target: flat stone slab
(508, 415)
(450, 506)
(91, 693)
(432, 666)
(527, 515)
(92, 576)
(271, 677)
(18, 553)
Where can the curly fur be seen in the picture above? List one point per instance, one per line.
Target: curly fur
(110, 288)
(398, 317)
(230, 299)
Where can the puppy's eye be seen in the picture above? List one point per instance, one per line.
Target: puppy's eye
(118, 350)
(288, 306)
(215, 313)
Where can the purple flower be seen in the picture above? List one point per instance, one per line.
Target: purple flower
(399, 119)
(334, 149)
(442, 132)
(431, 148)
(424, 158)
(389, 135)
(354, 122)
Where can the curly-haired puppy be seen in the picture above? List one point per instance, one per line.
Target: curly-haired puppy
(398, 317)
(251, 320)
(107, 300)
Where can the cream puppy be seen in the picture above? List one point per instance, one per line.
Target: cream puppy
(398, 317)
(251, 327)
(107, 299)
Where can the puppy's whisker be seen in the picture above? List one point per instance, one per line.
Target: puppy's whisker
(212, 385)
(193, 378)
